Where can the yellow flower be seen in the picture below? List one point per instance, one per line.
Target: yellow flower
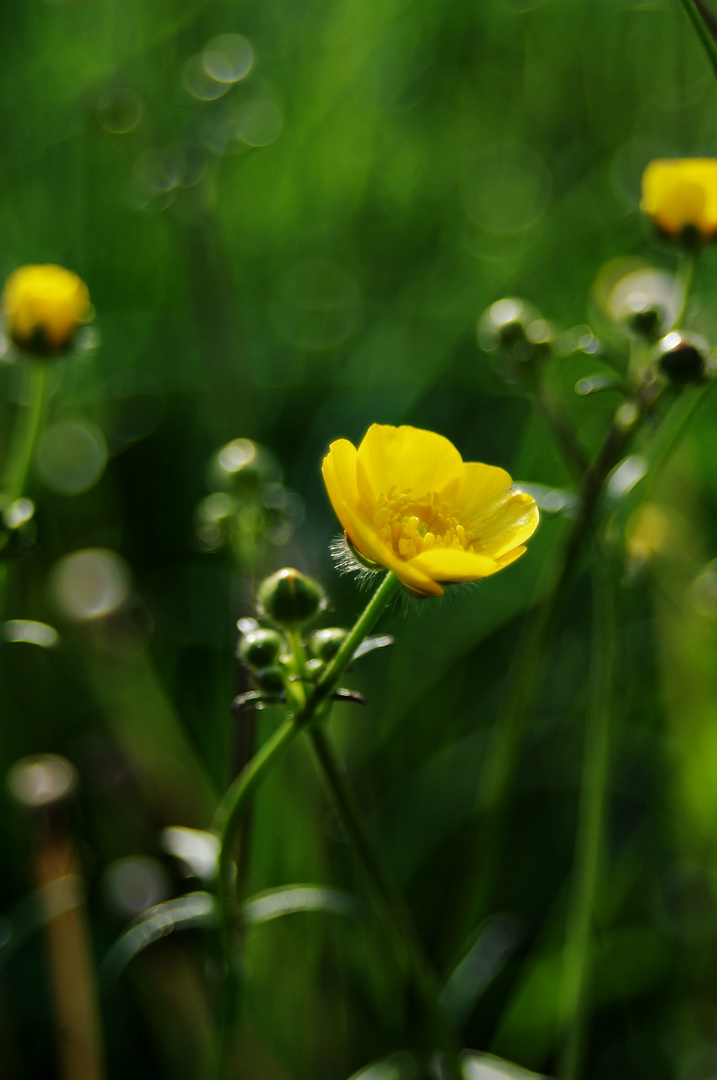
(43, 307)
(681, 196)
(408, 501)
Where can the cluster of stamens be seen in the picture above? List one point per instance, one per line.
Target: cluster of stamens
(411, 525)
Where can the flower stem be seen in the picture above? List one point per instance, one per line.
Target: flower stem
(231, 810)
(702, 30)
(591, 824)
(388, 899)
(22, 446)
(684, 278)
(25, 434)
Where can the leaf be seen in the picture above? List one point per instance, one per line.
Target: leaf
(489, 1067)
(489, 950)
(197, 910)
(264, 906)
(369, 644)
(400, 1066)
(551, 500)
(342, 694)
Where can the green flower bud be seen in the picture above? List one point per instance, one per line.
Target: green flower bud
(260, 648)
(290, 598)
(682, 359)
(324, 644)
(272, 679)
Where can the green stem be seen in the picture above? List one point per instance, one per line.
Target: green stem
(684, 279)
(25, 434)
(22, 446)
(702, 30)
(591, 825)
(231, 810)
(387, 896)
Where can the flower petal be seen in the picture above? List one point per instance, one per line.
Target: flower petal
(508, 523)
(454, 564)
(407, 459)
(482, 486)
(339, 472)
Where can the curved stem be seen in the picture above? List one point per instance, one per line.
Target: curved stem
(591, 824)
(229, 815)
(388, 898)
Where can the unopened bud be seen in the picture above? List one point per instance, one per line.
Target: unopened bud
(290, 598)
(260, 648)
(324, 644)
(272, 679)
(682, 359)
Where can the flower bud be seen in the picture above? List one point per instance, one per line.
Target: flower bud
(44, 306)
(260, 648)
(324, 644)
(290, 598)
(272, 679)
(681, 359)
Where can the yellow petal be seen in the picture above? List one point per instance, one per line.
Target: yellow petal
(508, 523)
(407, 459)
(339, 472)
(453, 564)
(482, 486)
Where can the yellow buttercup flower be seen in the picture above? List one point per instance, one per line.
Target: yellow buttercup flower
(681, 197)
(43, 307)
(408, 501)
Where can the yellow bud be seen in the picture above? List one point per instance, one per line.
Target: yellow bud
(43, 308)
(681, 198)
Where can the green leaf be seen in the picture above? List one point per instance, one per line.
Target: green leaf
(399, 1066)
(264, 906)
(489, 1067)
(488, 951)
(197, 910)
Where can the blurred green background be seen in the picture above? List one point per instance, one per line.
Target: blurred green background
(287, 236)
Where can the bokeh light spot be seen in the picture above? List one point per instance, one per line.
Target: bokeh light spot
(228, 58)
(91, 584)
(71, 457)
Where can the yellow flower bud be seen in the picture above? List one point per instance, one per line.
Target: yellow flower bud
(43, 308)
(681, 198)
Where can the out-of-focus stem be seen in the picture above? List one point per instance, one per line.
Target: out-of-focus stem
(74, 991)
(702, 30)
(591, 824)
(396, 917)
(22, 446)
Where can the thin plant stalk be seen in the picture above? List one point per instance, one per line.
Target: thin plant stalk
(231, 810)
(388, 899)
(22, 447)
(590, 839)
(702, 30)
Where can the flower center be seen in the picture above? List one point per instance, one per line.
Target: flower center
(410, 525)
